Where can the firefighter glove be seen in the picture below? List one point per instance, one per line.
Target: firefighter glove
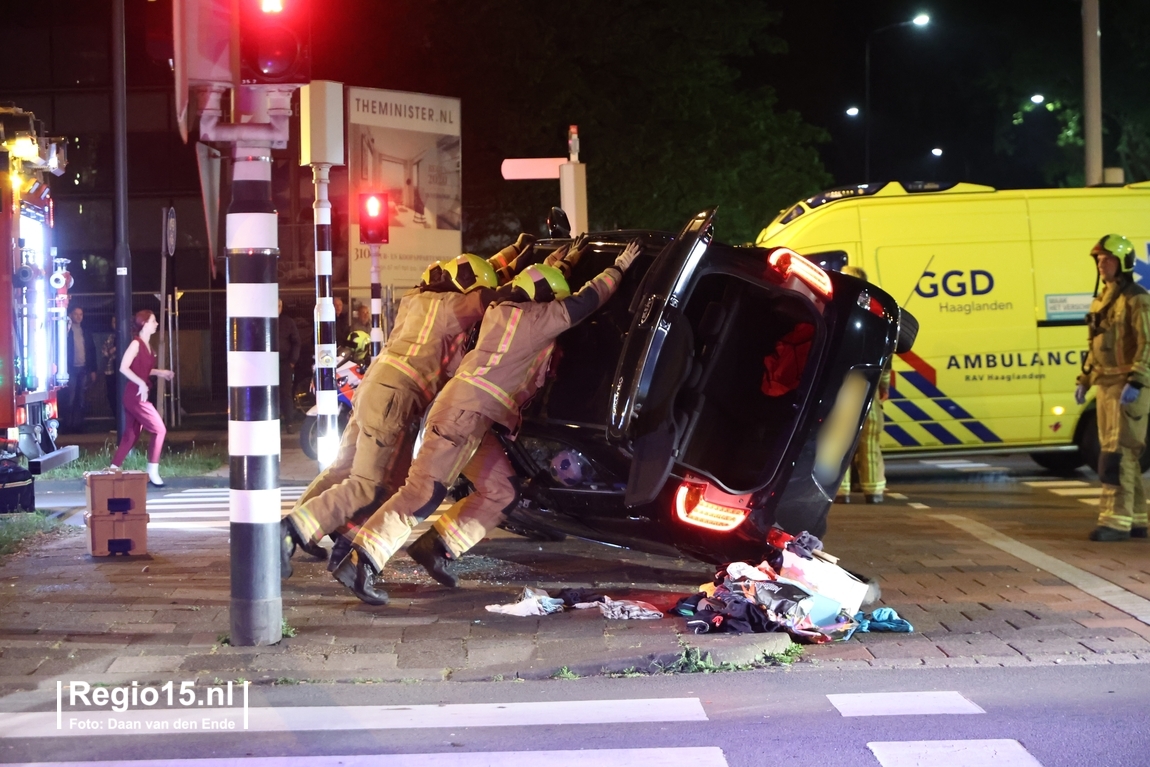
(1080, 394)
(1130, 393)
(628, 255)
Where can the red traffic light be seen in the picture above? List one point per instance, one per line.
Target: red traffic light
(275, 41)
(373, 218)
(272, 6)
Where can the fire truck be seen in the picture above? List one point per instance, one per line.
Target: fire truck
(34, 287)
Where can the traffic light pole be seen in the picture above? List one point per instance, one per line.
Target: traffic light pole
(253, 361)
(376, 302)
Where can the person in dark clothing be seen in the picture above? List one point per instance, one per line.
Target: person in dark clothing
(342, 322)
(81, 372)
(111, 358)
(289, 355)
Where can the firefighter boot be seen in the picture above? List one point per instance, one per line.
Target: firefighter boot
(340, 548)
(429, 551)
(1104, 534)
(289, 540)
(1138, 532)
(358, 573)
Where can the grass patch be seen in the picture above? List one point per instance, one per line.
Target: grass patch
(565, 673)
(787, 656)
(224, 638)
(285, 680)
(692, 660)
(189, 461)
(16, 530)
(287, 630)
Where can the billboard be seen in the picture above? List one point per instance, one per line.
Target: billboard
(407, 146)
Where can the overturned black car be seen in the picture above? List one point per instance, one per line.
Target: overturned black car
(721, 391)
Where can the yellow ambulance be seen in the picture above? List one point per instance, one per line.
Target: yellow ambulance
(1000, 282)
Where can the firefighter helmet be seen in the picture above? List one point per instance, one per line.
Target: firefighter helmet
(468, 272)
(431, 273)
(1117, 246)
(542, 283)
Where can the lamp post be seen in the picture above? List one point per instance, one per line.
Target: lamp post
(920, 20)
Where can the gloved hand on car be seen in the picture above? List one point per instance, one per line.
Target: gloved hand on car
(1080, 394)
(624, 259)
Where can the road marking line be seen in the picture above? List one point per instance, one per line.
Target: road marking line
(918, 505)
(701, 756)
(946, 461)
(952, 753)
(903, 703)
(215, 525)
(1057, 483)
(897, 496)
(985, 468)
(42, 724)
(1076, 491)
(1110, 593)
(1090, 501)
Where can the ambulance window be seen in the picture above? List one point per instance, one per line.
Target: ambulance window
(830, 260)
(792, 214)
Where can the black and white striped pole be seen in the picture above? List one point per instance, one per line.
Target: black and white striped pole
(253, 360)
(376, 303)
(321, 146)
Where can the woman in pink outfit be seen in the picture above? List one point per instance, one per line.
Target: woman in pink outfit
(137, 365)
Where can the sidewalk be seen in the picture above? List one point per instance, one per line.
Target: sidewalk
(66, 616)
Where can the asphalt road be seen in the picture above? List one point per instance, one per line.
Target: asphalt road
(1040, 716)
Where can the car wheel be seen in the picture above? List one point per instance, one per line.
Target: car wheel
(307, 437)
(907, 332)
(1064, 462)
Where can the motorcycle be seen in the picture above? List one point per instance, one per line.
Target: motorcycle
(349, 372)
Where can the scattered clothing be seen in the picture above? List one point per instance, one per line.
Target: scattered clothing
(531, 602)
(572, 597)
(883, 619)
(625, 609)
(785, 365)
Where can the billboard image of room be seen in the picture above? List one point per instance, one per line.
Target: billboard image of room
(407, 146)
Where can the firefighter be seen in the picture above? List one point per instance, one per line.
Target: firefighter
(422, 351)
(867, 461)
(1118, 363)
(493, 383)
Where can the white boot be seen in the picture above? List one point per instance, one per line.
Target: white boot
(113, 467)
(154, 474)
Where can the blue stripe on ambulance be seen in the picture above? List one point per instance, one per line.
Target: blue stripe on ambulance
(973, 425)
(925, 421)
(900, 436)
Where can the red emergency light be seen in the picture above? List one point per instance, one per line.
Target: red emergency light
(373, 224)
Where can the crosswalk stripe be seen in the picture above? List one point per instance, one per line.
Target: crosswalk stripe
(697, 756)
(44, 724)
(1091, 501)
(903, 703)
(1057, 483)
(918, 505)
(207, 525)
(1076, 491)
(952, 753)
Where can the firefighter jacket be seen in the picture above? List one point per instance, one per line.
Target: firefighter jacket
(1119, 323)
(509, 361)
(426, 346)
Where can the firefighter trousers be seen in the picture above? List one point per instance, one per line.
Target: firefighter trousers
(339, 469)
(867, 459)
(387, 421)
(454, 442)
(1122, 435)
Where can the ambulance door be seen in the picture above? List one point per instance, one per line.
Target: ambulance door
(961, 263)
(1065, 225)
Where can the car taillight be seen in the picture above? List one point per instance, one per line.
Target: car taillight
(51, 409)
(787, 262)
(698, 503)
(21, 416)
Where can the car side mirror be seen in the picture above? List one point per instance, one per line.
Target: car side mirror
(558, 224)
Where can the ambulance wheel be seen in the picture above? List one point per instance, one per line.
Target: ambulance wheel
(1065, 462)
(1089, 448)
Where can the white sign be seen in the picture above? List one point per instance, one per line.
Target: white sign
(406, 145)
(1067, 306)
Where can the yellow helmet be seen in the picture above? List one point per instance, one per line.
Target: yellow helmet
(468, 272)
(429, 274)
(542, 283)
(1118, 246)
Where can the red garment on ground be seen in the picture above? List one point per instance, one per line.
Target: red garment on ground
(140, 415)
(785, 365)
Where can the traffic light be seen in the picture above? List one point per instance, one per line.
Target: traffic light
(373, 218)
(275, 41)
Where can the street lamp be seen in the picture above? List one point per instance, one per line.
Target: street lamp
(937, 152)
(1037, 98)
(852, 112)
(921, 20)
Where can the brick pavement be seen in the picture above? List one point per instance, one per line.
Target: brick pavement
(64, 615)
